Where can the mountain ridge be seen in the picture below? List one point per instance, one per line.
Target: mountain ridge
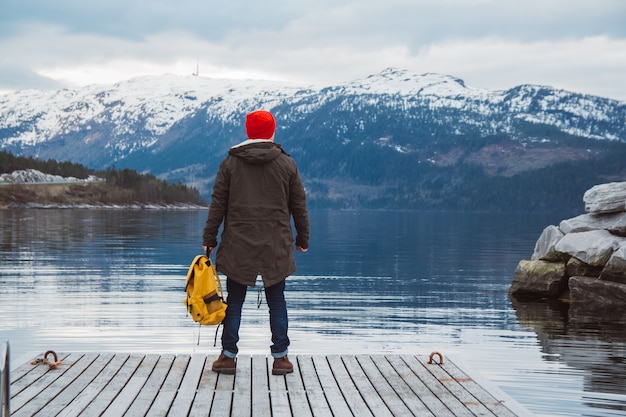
(430, 125)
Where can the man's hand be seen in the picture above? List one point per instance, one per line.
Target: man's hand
(208, 251)
(301, 249)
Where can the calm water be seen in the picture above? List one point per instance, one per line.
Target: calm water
(372, 282)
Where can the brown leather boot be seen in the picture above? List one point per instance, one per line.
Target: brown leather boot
(225, 365)
(282, 366)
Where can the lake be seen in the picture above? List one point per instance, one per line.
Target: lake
(95, 280)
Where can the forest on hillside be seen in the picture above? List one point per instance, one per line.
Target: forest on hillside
(120, 187)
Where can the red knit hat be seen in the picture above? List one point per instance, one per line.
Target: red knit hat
(260, 124)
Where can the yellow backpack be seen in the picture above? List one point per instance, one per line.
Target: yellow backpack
(204, 301)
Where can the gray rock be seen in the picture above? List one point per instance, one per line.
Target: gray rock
(596, 291)
(605, 198)
(613, 222)
(538, 279)
(593, 248)
(544, 248)
(576, 267)
(615, 268)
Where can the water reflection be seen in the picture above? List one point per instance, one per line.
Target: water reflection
(378, 282)
(588, 339)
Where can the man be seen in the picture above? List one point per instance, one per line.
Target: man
(256, 192)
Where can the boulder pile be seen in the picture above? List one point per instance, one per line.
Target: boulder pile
(583, 259)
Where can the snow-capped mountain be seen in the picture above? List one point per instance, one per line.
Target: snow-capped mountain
(181, 127)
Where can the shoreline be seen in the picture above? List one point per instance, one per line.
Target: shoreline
(90, 195)
(147, 206)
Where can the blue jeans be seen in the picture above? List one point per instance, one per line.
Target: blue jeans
(275, 296)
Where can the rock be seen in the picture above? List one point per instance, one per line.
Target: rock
(613, 222)
(593, 248)
(615, 268)
(544, 248)
(538, 279)
(576, 267)
(583, 259)
(596, 291)
(606, 198)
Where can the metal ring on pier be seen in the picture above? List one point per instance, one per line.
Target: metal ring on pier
(430, 359)
(52, 365)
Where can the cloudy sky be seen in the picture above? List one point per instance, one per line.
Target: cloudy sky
(578, 45)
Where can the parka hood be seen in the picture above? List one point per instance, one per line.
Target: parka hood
(257, 153)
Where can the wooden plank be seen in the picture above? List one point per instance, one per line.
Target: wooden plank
(131, 389)
(401, 388)
(424, 392)
(112, 389)
(420, 368)
(333, 394)
(453, 385)
(184, 385)
(201, 406)
(298, 400)
(314, 392)
(28, 374)
(164, 399)
(187, 389)
(365, 387)
(346, 384)
(81, 401)
(22, 369)
(39, 398)
(18, 373)
(72, 390)
(242, 396)
(279, 398)
(223, 396)
(156, 374)
(477, 391)
(512, 405)
(382, 387)
(23, 375)
(261, 388)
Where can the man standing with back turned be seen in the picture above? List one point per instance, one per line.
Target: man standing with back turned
(256, 192)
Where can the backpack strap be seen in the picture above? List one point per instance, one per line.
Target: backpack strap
(217, 279)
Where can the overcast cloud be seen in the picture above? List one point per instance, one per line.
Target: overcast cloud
(578, 45)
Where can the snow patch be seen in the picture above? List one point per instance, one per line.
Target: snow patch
(32, 176)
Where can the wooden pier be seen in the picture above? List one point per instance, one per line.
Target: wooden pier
(115, 384)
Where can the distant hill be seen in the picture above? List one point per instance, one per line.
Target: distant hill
(393, 140)
(63, 184)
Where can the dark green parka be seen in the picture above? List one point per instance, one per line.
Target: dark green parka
(257, 190)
